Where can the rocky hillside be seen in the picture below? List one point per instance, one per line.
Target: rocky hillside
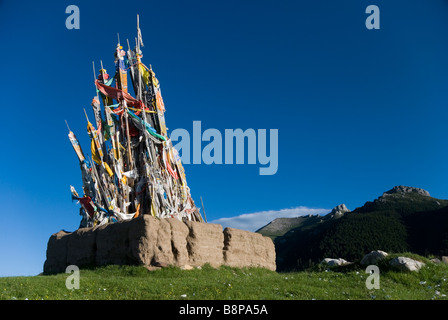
(280, 226)
(401, 219)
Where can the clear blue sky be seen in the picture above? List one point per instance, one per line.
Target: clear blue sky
(358, 111)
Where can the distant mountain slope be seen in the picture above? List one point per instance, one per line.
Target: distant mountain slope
(402, 219)
(280, 226)
(403, 200)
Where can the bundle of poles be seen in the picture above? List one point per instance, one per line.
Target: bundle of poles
(134, 168)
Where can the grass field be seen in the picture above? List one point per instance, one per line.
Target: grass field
(225, 283)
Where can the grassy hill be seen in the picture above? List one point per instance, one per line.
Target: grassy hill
(134, 282)
(402, 219)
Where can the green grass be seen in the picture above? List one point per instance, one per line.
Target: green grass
(207, 283)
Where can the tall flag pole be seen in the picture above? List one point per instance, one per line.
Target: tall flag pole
(135, 170)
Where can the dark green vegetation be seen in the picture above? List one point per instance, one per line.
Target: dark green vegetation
(395, 222)
(207, 283)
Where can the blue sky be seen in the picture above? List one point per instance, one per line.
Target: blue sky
(358, 111)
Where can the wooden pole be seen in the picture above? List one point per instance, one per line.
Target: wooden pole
(205, 217)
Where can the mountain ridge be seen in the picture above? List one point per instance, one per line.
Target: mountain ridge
(401, 219)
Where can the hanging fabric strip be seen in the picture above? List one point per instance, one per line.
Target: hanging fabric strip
(150, 129)
(118, 95)
(119, 110)
(171, 171)
(76, 146)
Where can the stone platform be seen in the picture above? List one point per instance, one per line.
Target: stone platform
(154, 242)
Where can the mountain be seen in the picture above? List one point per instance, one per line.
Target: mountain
(280, 226)
(401, 219)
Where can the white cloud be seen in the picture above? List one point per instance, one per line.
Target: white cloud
(254, 221)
